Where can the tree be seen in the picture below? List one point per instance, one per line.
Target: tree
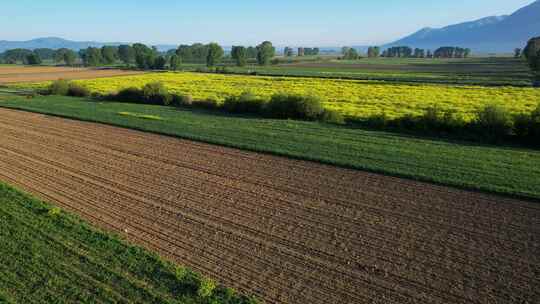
(92, 57)
(16, 55)
(45, 53)
(215, 54)
(58, 56)
(239, 54)
(175, 62)
(126, 53)
(33, 59)
(144, 56)
(301, 52)
(532, 54)
(251, 52)
(70, 57)
(265, 53)
(399, 51)
(351, 54)
(374, 51)
(109, 54)
(159, 63)
(517, 53)
(419, 53)
(288, 52)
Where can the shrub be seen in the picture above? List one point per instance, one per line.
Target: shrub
(210, 104)
(77, 90)
(156, 93)
(59, 87)
(247, 102)
(181, 100)
(206, 288)
(378, 121)
(493, 123)
(527, 127)
(331, 116)
(129, 95)
(294, 106)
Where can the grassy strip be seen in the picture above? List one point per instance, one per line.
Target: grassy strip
(50, 256)
(510, 171)
(142, 116)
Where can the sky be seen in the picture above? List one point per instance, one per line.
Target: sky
(239, 22)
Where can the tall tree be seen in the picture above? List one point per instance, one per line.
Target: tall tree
(126, 53)
(33, 59)
(175, 62)
(301, 51)
(251, 52)
(58, 56)
(239, 54)
(109, 54)
(532, 54)
(144, 56)
(517, 52)
(350, 54)
(265, 53)
(92, 57)
(215, 54)
(70, 57)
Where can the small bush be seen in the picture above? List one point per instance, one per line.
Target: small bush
(247, 102)
(493, 122)
(285, 106)
(209, 104)
(206, 288)
(377, 121)
(129, 95)
(59, 87)
(156, 93)
(53, 212)
(331, 116)
(77, 90)
(181, 100)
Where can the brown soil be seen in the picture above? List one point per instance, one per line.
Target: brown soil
(36, 74)
(287, 231)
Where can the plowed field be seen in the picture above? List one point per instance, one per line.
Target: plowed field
(32, 74)
(284, 230)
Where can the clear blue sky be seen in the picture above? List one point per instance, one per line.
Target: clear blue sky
(284, 22)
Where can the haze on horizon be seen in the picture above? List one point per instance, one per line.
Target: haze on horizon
(317, 23)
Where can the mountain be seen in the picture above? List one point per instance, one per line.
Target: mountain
(494, 34)
(57, 43)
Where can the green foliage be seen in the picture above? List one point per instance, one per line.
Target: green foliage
(215, 54)
(144, 56)
(181, 100)
(247, 102)
(493, 122)
(265, 53)
(59, 87)
(159, 63)
(131, 94)
(175, 62)
(206, 288)
(126, 53)
(33, 59)
(78, 90)
(70, 57)
(92, 57)
(239, 54)
(53, 212)
(350, 53)
(109, 54)
(334, 117)
(285, 106)
(156, 93)
(481, 167)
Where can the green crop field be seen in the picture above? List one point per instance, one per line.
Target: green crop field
(476, 71)
(503, 170)
(48, 256)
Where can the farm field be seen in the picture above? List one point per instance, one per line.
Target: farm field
(503, 170)
(17, 74)
(471, 71)
(354, 99)
(48, 256)
(284, 230)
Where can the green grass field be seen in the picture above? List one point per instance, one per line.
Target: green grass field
(469, 71)
(504, 170)
(48, 256)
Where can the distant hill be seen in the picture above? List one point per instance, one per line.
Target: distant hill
(58, 43)
(494, 34)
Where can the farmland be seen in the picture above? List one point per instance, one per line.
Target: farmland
(468, 71)
(50, 256)
(18, 74)
(505, 170)
(354, 99)
(284, 230)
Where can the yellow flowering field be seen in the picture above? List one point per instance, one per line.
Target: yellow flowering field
(352, 98)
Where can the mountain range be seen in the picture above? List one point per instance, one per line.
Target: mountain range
(495, 34)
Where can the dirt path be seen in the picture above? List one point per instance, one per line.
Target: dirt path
(36, 74)
(287, 231)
